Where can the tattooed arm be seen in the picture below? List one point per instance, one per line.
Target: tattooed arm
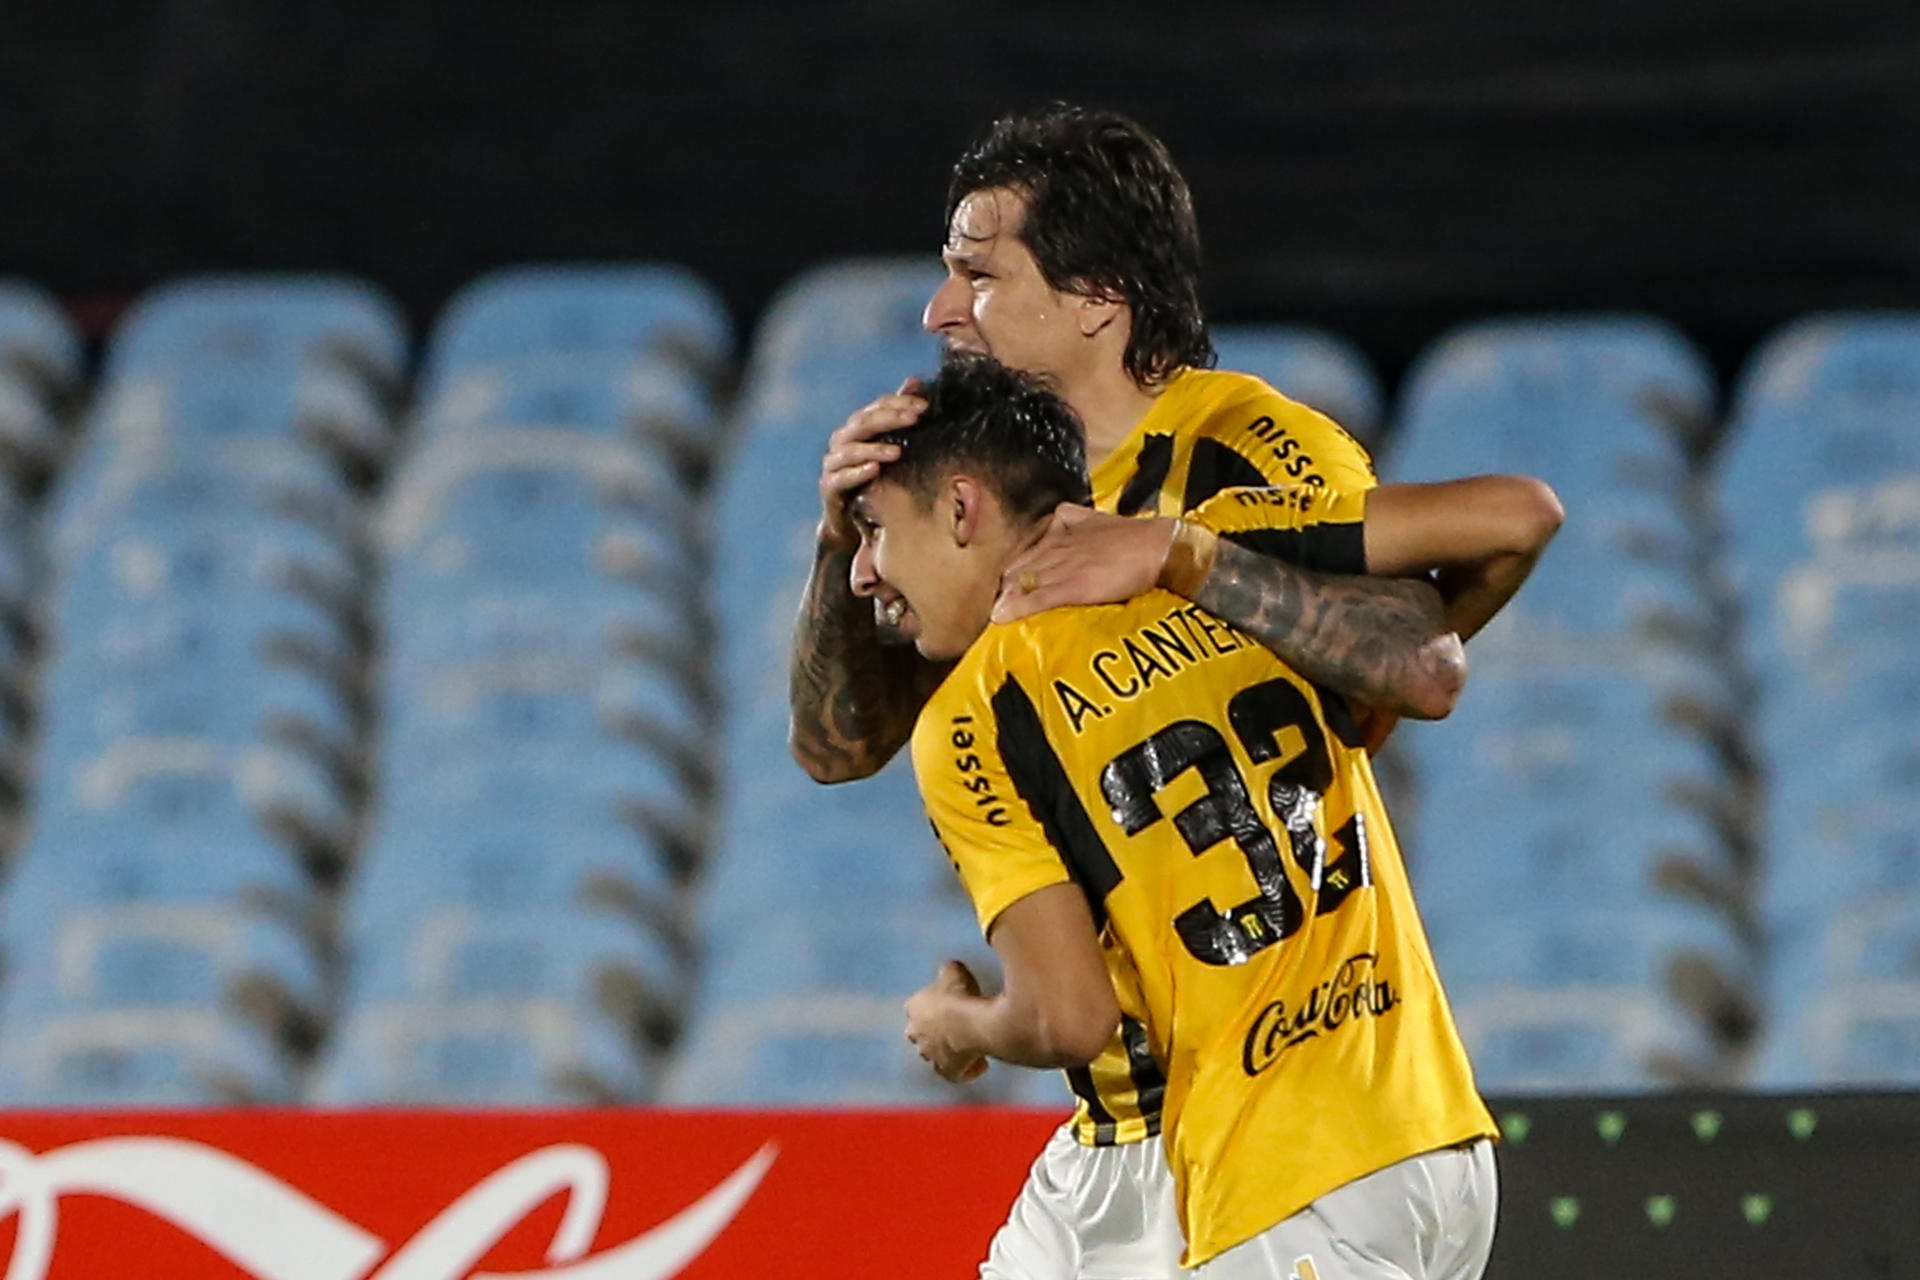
(852, 699)
(1383, 642)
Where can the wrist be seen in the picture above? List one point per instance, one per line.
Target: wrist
(831, 538)
(1189, 558)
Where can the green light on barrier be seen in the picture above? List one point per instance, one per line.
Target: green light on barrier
(1706, 1125)
(1800, 1122)
(1660, 1210)
(1756, 1208)
(1565, 1211)
(1515, 1126)
(1611, 1124)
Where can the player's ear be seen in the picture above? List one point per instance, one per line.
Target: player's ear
(966, 508)
(1096, 313)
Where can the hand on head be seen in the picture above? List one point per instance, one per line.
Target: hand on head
(854, 456)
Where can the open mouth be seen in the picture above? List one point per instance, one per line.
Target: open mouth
(893, 611)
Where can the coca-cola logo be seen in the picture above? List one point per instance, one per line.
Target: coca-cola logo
(276, 1232)
(1354, 991)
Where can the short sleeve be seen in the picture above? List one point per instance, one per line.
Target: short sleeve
(1313, 528)
(1000, 850)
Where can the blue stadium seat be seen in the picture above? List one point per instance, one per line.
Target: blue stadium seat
(1839, 857)
(141, 1058)
(30, 434)
(454, 954)
(406, 871)
(1599, 407)
(224, 403)
(1844, 999)
(532, 1053)
(475, 784)
(73, 861)
(1827, 402)
(237, 705)
(827, 1050)
(645, 401)
(868, 944)
(1542, 1041)
(620, 309)
(190, 781)
(1319, 369)
(841, 308)
(250, 963)
(36, 338)
(264, 320)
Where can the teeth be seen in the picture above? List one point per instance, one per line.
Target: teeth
(896, 610)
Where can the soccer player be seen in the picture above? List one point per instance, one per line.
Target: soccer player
(1073, 254)
(1157, 818)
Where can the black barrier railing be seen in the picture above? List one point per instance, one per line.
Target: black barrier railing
(1821, 1187)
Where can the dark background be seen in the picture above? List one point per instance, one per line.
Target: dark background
(1382, 168)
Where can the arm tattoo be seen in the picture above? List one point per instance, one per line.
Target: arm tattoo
(1383, 642)
(852, 700)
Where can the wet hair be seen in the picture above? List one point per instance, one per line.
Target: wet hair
(1001, 425)
(1108, 216)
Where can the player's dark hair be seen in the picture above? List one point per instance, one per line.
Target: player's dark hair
(1108, 216)
(1002, 425)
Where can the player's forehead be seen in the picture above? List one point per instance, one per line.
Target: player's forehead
(983, 221)
(876, 499)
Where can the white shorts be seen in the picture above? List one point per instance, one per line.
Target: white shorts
(1427, 1218)
(1091, 1213)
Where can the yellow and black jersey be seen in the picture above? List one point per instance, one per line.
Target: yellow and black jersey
(1222, 819)
(1210, 430)
(1253, 464)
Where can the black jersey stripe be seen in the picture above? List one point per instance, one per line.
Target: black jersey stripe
(1106, 1130)
(1323, 548)
(1217, 466)
(1149, 1082)
(1156, 459)
(1041, 780)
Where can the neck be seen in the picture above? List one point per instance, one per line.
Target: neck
(1110, 405)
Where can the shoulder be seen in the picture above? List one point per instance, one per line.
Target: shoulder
(1285, 440)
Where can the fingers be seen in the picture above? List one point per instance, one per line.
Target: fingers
(967, 1071)
(853, 456)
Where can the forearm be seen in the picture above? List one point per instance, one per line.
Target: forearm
(1386, 643)
(852, 700)
(1006, 1029)
(1475, 593)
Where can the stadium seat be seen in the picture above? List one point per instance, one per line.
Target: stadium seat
(406, 870)
(532, 1053)
(281, 322)
(648, 401)
(36, 338)
(1826, 403)
(631, 310)
(1553, 1041)
(841, 308)
(30, 434)
(819, 1051)
(453, 953)
(1317, 368)
(329, 411)
(157, 488)
(250, 964)
(141, 1058)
